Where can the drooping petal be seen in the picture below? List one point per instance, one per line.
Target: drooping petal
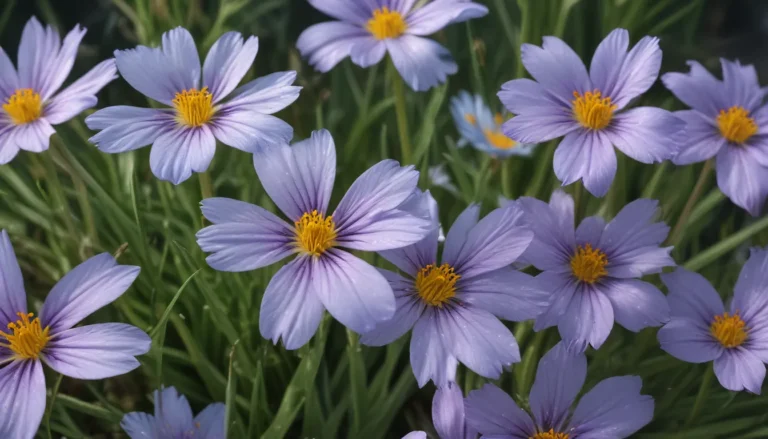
(88, 287)
(749, 297)
(22, 401)
(81, 94)
(95, 352)
(639, 70)
(354, 292)
(421, 62)
(326, 44)
(408, 309)
(562, 286)
(448, 411)
(459, 232)
(13, 298)
(430, 358)
(692, 297)
(587, 320)
(33, 136)
(525, 96)
(227, 62)
(267, 94)
(8, 147)
(698, 89)
(559, 378)
(590, 230)
(587, 155)
(299, 179)
(9, 80)
(139, 425)
(688, 340)
(636, 304)
(742, 178)
(702, 141)
(554, 240)
(634, 227)
(613, 408)
(126, 128)
(437, 14)
(557, 67)
(243, 237)
(505, 293)
(495, 414)
(210, 422)
(478, 339)
(607, 63)
(539, 128)
(494, 242)
(352, 11)
(176, 154)
(738, 369)
(647, 134)
(173, 414)
(414, 257)
(290, 308)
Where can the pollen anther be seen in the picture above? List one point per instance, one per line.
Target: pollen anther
(24, 106)
(588, 264)
(315, 233)
(386, 24)
(27, 338)
(736, 125)
(550, 434)
(436, 285)
(592, 110)
(729, 330)
(193, 107)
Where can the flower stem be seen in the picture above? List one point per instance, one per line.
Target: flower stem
(48, 412)
(398, 89)
(701, 396)
(506, 178)
(206, 187)
(682, 220)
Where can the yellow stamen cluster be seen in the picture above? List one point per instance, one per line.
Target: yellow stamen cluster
(193, 107)
(592, 110)
(736, 125)
(24, 106)
(588, 264)
(386, 24)
(551, 434)
(469, 117)
(315, 233)
(729, 330)
(436, 285)
(27, 338)
(497, 139)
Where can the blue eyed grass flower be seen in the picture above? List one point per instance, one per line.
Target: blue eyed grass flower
(614, 408)
(366, 31)
(701, 330)
(28, 93)
(447, 415)
(728, 122)
(173, 419)
(481, 128)
(588, 108)
(90, 352)
(183, 137)
(593, 271)
(375, 214)
(454, 305)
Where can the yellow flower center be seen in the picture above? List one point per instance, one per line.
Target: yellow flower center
(193, 107)
(469, 117)
(736, 125)
(588, 264)
(386, 24)
(498, 119)
(551, 434)
(592, 110)
(729, 330)
(436, 285)
(497, 139)
(27, 337)
(24, 106)
(315, 233)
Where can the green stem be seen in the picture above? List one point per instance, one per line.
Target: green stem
(398, 89)
(57, 194)
(675, 236)
(650, 189)
(528, 366)
(206, 187)
(48, 412)
(701, 396)
(506, 178)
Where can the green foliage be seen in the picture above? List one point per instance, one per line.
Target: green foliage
(72, 202)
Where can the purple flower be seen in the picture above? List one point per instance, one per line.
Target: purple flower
(454, 306)
(30, 105)
(88, 352)
(447, 415)
(593, 272)
(480, 127)
(727, 120)
(184, 138)
(586, 108)
(613, 409)
(701, 330)
(173, 419)
(372, 216)
(369, 29)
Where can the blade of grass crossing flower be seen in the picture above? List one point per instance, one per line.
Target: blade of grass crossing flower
(51, 402)
(401, 112)
(230, 410)
(427, 130)
(357, 381)
(256, 420)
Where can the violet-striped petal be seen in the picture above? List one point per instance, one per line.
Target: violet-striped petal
(459, 232)
(210, 422)
(267, 94)
(173, 414)
(34, 136)
(495, 414)
(691, 296)
(9, 79)
(742, 178)
(557, 67)
(414, 257)
(647, 134)
(126, 128)
(326, 44)
(505, 293)
(749, 297)
(613, 408)
(176, 154)
(437, 14)
(22, 401)
(587, 320)
(430, 358)
(448, 412)
(139, 425)
(633, 228)
(739, 369)
(81, 94)
(227, 62)
(13, 298)
(408, 308)
(703, 140)
(587, 155)
(421, 62)
(554, 391)
(636, 304)
(689, 341)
